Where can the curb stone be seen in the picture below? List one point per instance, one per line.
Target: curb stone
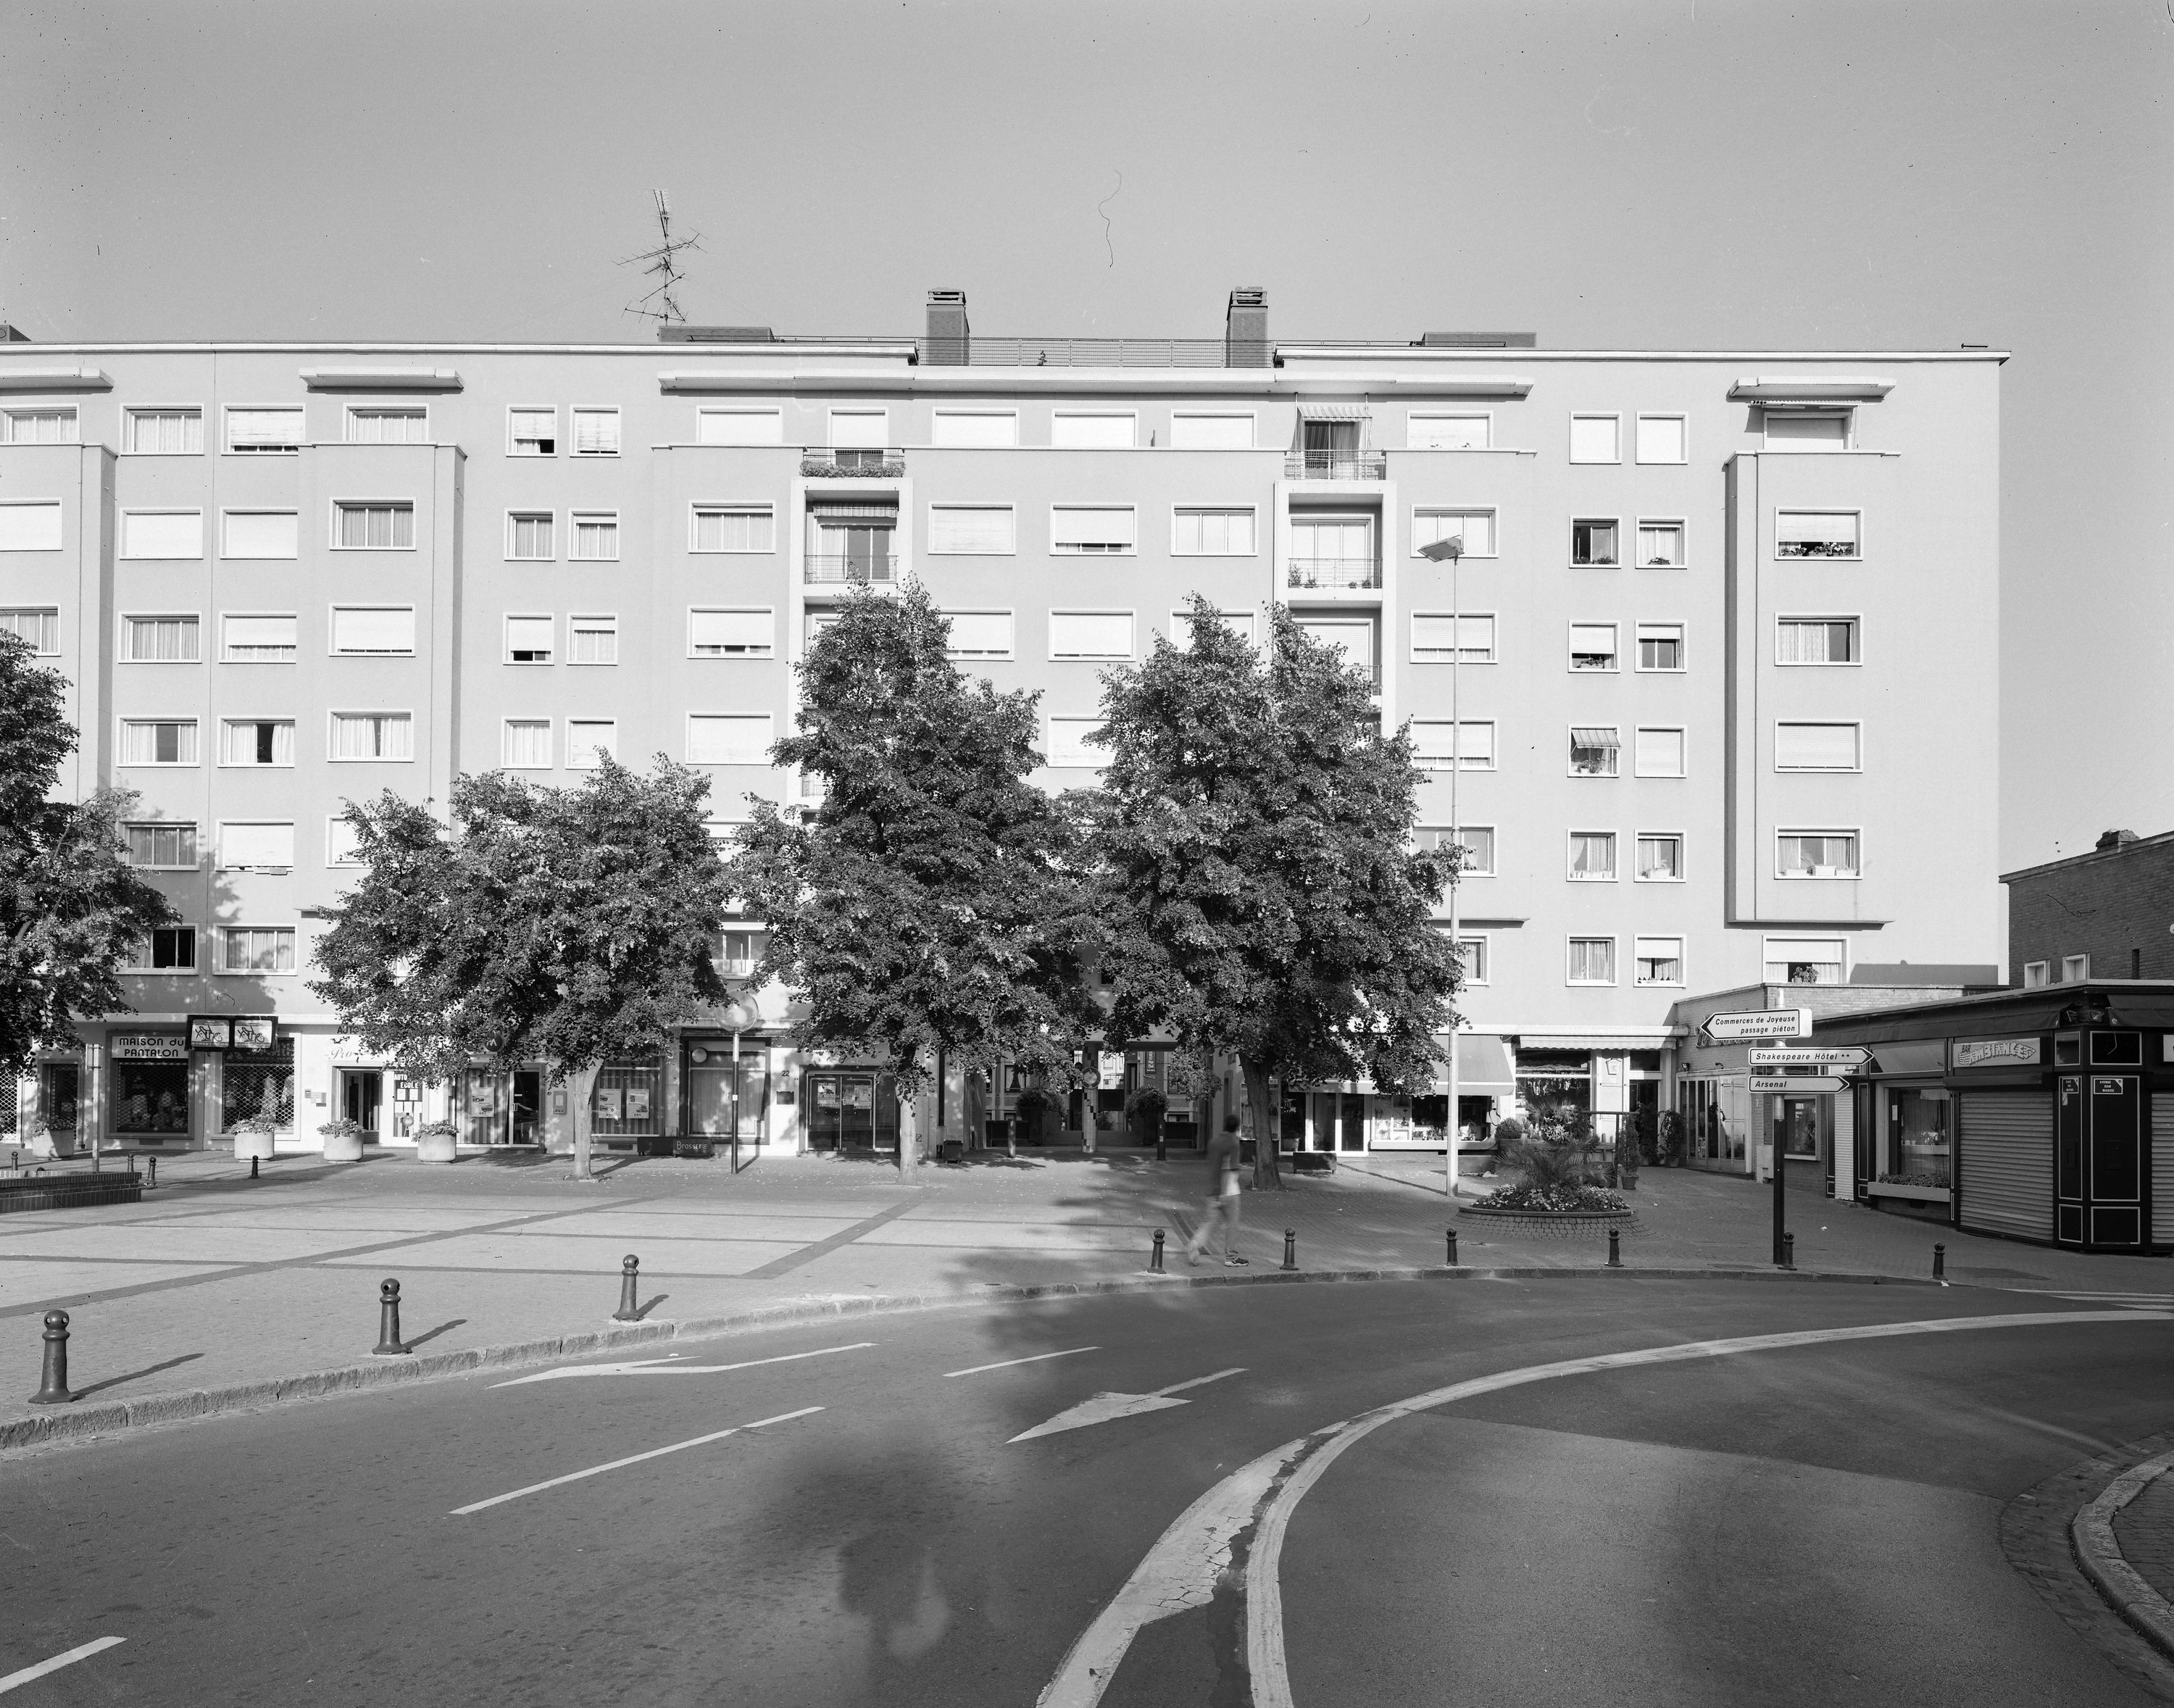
(2098, 1551)
(78, 1423)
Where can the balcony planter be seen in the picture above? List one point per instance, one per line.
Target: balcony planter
(343, 1140)
(436, 1141)
(1923, 1195)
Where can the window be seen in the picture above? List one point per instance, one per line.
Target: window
(734, 528)
(257, 949)
(388, 424)
(1078, 527)
(1659, 960)
(1091, 634)
(30, 526)
(48, 426)
(1211, 533)
(343, 847)
(1816, 640)
(1438, 638)
(1815, 533)
(1592, 542)
(1471, 958)
(1351, 636)
(1442, 746)
(980, 634)
(596, 535)
(1817, 747)
(2036, 975)
(162, 432)
(739, 427)
(528, 535)
(1659, 753)
(731, 633)
(2075, 968)
(1660, 857)
(1068, 745)
(1596, 439)
(1592, 960)
(973, 428)
(738, 952)
(1097, 429)
(163, 847)
(373, 735)
(373, 629)
(256, 742)
(971, 530)
(257, 638)
(169, 948)
(1197, 430)
(1595, 752)
(860, 429)
(274, 432)
(159, 640)
(1181, 626)
(530, 640)
(1663, 438)
(1479, 841)
(1805, 960)
(1660, 544)
(1807, 430)
(524, 744)
(260, 845)
(1475, 527)
(263, 533)
(1592, 646)
(593, 639)
(39, 625)
(159, 741)
(1660, 647)
(374, 527)
(1816, 853)
(596, 432)
(1433, 432)
(531, 432)
(162, 533)
(1593, 856)
(728, 739)
(590, 741)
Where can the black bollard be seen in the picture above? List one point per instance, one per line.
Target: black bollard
(1939, 1262)
(1788, 1251)
(1155, 1261)
(1614, 1249)
(151, 1163)
(388, 1323)
(1162, 1149)
(1290, 1248)
(52, 1379)
(252, 1168)
(1452, 1248)
(626, 1311)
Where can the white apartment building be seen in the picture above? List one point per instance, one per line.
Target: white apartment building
(1727, 652)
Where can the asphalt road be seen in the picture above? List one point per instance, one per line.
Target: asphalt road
(1811, 1523)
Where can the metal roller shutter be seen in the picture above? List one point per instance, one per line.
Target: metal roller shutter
(1845, 1145)
(2006, 1141)
(2162, 1168)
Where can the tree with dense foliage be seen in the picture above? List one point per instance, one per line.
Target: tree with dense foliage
(569, 926)
(1257, 884)
(75, 909)
(928, 906)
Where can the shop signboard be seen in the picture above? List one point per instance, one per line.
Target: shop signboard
(1998, 1053)
(1795, 1084)
(1850, 1056)
(1736, 1026)
(149, 1046)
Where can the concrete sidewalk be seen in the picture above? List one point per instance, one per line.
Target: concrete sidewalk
(216, 1283)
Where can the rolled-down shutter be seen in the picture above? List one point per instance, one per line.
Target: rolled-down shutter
(2162, 1168)
(2006, 1142)
(1842, 1175)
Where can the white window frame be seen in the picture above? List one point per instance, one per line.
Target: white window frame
(335, 825)
(342, 504)
(1684, 747)
(225, 655)
(856, 412)
(1179, 633)
(1131, 625)
(335, 713)
(220, 932)
(1494, 846)
(1767, 956)
(574, 414)
(1856, 622)
(1251, 511)
(1010, 510)
(1646, 415)
(1572, 875)
(122, 651)
(575, 518)
(1483, 941)
(514, 516)
(1462, 761)
(1683, 847)
(2075, 968)
(568, 748)
(1769, 413)
(1492, 512)
(192, 825)
(769, 411)
(221, 863)
(2038, 975)
(226, 522)
(767, 612)
(130, 412)
(507, 648)
(1856, 724)
(1855, 833)
(1588, 518)
(966, 412)
(513, 443)
(1049, 723)
(1614, 654)
(59, 519)
(1614, 960)
(1130, 416)
(127, 556)
(140, 966)
(1250, 417)
(227, 447)
(1855, 557)
(333, 648)
(687, 738)
(120, 743)
(11, 414)
(604, 617)
(1011, 624)
(1680, 635)
(699, 508)
(1491, 619)
(1681, 960)
(409, 410)
(1615, 417)
(226, 720)
(1570, 747)
(550, 739)
(10, 611)
(1682, 528)
(1485, 417)
(1076, 550)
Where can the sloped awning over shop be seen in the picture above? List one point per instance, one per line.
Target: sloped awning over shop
(1483, 1065)
(1607, 1041)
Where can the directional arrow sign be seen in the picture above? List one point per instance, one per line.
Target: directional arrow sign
(1104, 1407)
(1734, 1028)
(1850, 1057)
(1796, 1084)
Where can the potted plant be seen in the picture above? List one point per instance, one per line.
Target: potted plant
(436, 1141)
(255, 1136)
(1144, 1109)
(1670, 1144)
(1030, 1106)
(343, 1140)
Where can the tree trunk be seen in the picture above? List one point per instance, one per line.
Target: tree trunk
(1268, 1166)
(909, 1136)
(580, 1087)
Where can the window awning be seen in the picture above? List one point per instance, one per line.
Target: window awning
(1595, 739)
(1810, 388)
(838, 510)
(1483, 1065)
(1609, 1042)
(54, 379)
(382, 379)
(1333, 412)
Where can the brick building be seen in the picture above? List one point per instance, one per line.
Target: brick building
(2108, 914)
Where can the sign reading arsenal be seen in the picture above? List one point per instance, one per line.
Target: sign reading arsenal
(1795, 1084)
(1734, 1028)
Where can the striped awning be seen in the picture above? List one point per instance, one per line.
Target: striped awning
(1607, 1041)
(1595, 739)
(838, 510)
(1333, 412)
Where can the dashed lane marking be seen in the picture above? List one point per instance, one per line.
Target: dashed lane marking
(669, 1365)
(15, 1680)
(631, 1459)
(1008, 1363)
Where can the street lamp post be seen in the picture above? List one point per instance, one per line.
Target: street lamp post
(1451, 551)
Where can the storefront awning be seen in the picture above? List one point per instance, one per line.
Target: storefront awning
(1483, 1066)
(1548, 1040)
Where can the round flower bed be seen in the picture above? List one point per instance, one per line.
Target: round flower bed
(1555, 1206)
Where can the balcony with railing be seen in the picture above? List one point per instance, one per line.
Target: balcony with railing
(852, 569)
(1333, 572)
(1335, 465)
(852, 463)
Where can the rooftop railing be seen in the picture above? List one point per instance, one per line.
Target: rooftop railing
(1333, 572)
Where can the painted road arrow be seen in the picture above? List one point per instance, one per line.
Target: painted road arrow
(669, 1364)
(1738, 1025)
(1795, 1084)
(1850, 1056)
(1104, 1408)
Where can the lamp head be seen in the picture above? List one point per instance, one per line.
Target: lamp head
(1444, 551)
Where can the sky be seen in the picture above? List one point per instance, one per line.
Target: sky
(1861, 174)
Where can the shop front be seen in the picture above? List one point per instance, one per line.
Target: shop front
(851, 1108)
(501, 1110)
(626, 1102)
(149, 1088)
(724, 1087)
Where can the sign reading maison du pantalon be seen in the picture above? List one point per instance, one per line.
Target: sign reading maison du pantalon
(149, 1046)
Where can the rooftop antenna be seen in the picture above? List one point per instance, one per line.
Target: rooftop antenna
(660, 304)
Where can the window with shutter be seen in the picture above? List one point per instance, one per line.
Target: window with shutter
(980, 634)
(1663, 438)
(1434, 432)
(1351, 636)
(274, 432)
(739, 427)
(1475, 527)
(1815, 533)
(1197, 430)
(589, 741)
(1816, 747)
(530, 640)
(1592, 645)
(531, 432)
(263, 533)
(373, 629)
(32, 526)
(731, 633)
(596, 432)
(1441, 746)
(1083, 430)
(1596, 439)
(1068, 746)
(1660, 960)
(973, 428)
(1438, 638)
(1091, 634)
(1660, 753)
(162, 533)
(1660, 647)
(971, 529)
(1595, 751)
(1805, 960)
(1091, 529)
(1181, 626)
(729, 738)
(1807, 430)
(255, 844)
(258, 639)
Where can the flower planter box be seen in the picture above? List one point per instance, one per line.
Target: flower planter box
(1923, 1195)
(1547, 1218)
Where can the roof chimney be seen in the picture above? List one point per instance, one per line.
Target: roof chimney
(1245, 329)
(949, 342)
(2114, 839)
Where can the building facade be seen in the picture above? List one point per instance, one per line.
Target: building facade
(1704, 735)
(2108, 914)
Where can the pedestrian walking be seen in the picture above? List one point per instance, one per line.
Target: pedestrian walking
(1222, 1197)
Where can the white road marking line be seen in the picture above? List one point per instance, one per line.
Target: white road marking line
(666, 1366)
(1180, 1572)
(1199, 1380)
(15, 1679)
(632, 1459)
(1039, 1358)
